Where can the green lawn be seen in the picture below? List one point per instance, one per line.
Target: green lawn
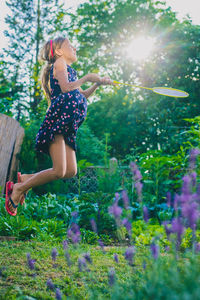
(18, 279)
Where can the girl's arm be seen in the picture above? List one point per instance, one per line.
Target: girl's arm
(90, 90)
(103, 81)
(62, 76)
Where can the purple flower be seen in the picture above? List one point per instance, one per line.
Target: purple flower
(178, 228)
(167, 248)
(138, 186)
(135, 171)
(115, 210)
(193, 176)
(111, 276)
(129, 255)
(168, 230)
(58, 294)
(176, 200)
(191, 213)
(30, 262)
(54, 254)
(94, 225)
(127, 224)
(65, 244)
(74, 214)
(116, 258)
(145, 214)
(82, 264)
(198, 189)
(67, 256)
(197, 247)
(74, 233)
(154, 250)
(137, 178)
(50, 284)
(144, 265)
(125, 199)
(186, 185)
(193, 155)
(116, 197)
(101, 244)
(87, 257)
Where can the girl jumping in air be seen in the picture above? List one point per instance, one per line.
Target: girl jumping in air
(66, 112)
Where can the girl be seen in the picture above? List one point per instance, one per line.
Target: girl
(66, 112)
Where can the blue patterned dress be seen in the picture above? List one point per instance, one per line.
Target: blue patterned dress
(65, 115)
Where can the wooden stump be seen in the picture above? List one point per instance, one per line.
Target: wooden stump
(11, 138)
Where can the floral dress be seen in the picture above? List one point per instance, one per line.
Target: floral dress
(65, 115)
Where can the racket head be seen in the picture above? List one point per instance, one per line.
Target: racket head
(170, 92)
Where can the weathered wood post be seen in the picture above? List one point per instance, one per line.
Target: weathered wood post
(11, 138)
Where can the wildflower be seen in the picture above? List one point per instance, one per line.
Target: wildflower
(176, 200)
(145, 214)
(82, 264)
(87, 257)
(74, 214)
(54, 254)
(193, 176)
(30, 262)
(50, 284)
(197, 247)
(168, 230)
(58, 294)
(193, 155)
(167, 248)
(186, 185)
(135, 171)
(127, 224)
(74, 233)
(138, 186)
(101, 244)
(129, 255)
(178, 228)
(125, 199)
(137, 178)
(94, 225)
(116, 258)
(144, 265)
(190, 211)
(65, 244)
(116, 197)
(111, 276)
(154, 250)
(67, 256)
(115, 210)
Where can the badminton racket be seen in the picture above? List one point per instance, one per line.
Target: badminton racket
(165, 91)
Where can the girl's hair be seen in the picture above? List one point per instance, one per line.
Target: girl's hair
(45, 55)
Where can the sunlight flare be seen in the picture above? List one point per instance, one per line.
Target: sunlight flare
(140, 48)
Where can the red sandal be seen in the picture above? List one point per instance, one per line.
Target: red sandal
(9, 189)
(18, 181)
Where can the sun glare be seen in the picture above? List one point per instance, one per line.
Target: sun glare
(140, 48)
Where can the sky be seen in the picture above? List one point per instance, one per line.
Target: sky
(182, 7)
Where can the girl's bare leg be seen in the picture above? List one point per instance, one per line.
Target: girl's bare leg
(58, 155)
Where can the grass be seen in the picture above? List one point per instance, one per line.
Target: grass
(18, 280)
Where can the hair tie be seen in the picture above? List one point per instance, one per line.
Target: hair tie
(51, 44)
